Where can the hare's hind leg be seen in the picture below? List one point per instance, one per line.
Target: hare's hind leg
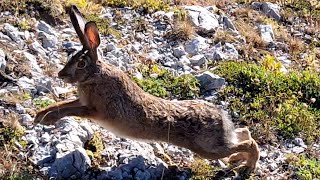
(246, 150)
(242, 134)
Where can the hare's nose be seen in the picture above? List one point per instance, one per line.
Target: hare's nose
(62, 74)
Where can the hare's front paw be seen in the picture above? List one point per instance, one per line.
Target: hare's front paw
(45, 117)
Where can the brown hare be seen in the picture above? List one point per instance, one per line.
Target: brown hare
(110, 98)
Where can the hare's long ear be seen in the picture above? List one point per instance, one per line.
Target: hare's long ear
(79, 23)
(92, 34)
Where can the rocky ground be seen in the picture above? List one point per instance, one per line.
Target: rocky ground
(32, 52)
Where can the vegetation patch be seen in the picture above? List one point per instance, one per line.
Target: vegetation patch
(270, 101)
(202, 170)
(42, 103)
(306, 168)
(148, 6)
(163, 83)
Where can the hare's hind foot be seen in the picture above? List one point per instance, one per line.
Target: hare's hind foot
(247, 151)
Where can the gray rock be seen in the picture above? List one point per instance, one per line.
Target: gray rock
(33, 62)
(20, 109)
(202, 18)
(153, 55)
(179, 51)
(36, 46)
(43, 26)
(111, 47)
(222, 52)
(116, 174)
(70, 164)
(43, 85)
(272, 166)
(196, 45)
(228, 23)
(142, 175)
(298, 150)
(266, 33)
(299, 142)
(210, 81)
(4, 37)
(12, 32)
(48, 40)
(3, 62)
(270, 9)
(45, 138)
(198, 60)
(26, 120)
(27, 84)
(136, 47)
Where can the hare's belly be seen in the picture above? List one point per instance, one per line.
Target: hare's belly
(123, 129)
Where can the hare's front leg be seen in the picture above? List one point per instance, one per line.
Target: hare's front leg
(54, 112)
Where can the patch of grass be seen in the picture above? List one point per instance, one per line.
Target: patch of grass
(42, 103)
(251, 34)
(182, 30)
(162, 83)
(269, 101)
(148, 6)
(307, 168)
(201, 170)
(94, 147)
(13, 166)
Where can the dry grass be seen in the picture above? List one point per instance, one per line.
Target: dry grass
(224, 36)
(218, 3)
(182, 30)
(296, 45)
(251, 34)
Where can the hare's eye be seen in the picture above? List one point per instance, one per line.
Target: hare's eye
(82, 64)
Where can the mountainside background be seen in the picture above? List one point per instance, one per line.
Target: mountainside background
(260, 60)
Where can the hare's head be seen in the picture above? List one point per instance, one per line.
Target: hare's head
(83, 63)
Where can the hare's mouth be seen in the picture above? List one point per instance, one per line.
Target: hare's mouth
(66, 79)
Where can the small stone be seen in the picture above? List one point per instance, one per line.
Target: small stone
(12, 32)
(45, 138)
(228, 23)
(198, 60)
(272, 166)
(111, 47)
(179, 51)
(33, 62)
(3, 62)
(43, 26)
(266, 32)
(297, 150)
(196, 45)
(299, 142)
(26, 119)
(210, 81)
(48, 41)
(20, 109)
(36, 46)
(44, 85)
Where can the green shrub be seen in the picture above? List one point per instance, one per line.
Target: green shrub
(201, 170)
(269, 100)
(39, 103)
(162, 83)
(307, 168)
(148, 5)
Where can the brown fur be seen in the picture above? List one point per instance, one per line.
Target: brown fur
(109, 97)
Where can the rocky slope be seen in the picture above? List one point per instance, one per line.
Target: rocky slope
(32, 52)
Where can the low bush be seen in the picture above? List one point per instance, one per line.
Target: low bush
(163, 83)
(270, 101)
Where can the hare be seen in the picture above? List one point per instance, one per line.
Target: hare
(110, 98)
